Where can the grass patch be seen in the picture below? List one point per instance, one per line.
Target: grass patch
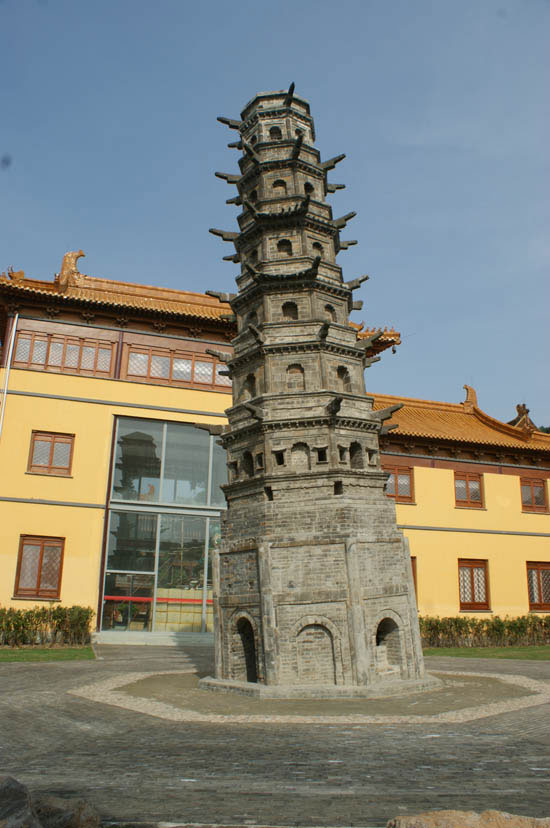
(45, 654)
(534, 653)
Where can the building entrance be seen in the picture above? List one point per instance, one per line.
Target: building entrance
(164, 524)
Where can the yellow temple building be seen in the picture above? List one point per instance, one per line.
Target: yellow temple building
(111, 398)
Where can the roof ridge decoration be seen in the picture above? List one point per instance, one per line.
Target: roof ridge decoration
(463, 422)
(522, 419)
(69, 275)
(471, 399)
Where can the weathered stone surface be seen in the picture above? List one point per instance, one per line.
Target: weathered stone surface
(54, 812)
(15, 805)
(467, 819)
(21, 809)
(313, 582)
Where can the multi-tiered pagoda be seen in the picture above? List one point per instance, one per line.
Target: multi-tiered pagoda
(313, 585)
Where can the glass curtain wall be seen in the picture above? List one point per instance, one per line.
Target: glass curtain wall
(164, 522)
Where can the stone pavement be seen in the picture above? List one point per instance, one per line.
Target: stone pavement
(134, 766)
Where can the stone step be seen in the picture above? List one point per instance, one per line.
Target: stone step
(157, 639)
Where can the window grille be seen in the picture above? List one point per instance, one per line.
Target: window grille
(51, 453)
(473, 585)
(174, 367)
(468, 490)
(51, 352)
(533, 495)
(39, 567)
(538, 585)
(400, 484)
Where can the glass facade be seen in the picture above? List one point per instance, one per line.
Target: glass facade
(164, 522)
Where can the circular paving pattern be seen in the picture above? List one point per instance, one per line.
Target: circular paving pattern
(175, 696)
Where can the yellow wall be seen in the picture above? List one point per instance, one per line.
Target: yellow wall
(437, 553)
(92, 425)
(83, 533)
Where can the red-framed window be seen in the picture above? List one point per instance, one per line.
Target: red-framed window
(473, 585)
(469, 489)
(160, 365)
(400, 484)
(51, 453)
(534, 496)
(538, 585)
(67, 354)
(39, 567)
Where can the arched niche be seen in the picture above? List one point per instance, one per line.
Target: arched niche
(279, 187)
(316, 620)
(329, 312)
(275, 133)
(317, 248)
(315, 655)
(251, 319)
(300, 457)
(249, 387)
(344, 379)
(247, 464)
(295, 378)
(356, 456)
(309, 188)
(290, 310)
(389, 656)
(244, 651)
(284, 247)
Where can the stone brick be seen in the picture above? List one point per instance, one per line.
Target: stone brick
(313, 583)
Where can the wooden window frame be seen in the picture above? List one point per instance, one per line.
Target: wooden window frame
(538, 567)
(471, 564)
(37, 592)
(173, 354)
(397, 470)
(80, 342)
(469, 503)
(533, 481)
(50, 469)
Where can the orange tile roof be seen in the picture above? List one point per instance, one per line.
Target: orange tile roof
(458, 422)
(128, 295)
(120, 295)
(390, 338)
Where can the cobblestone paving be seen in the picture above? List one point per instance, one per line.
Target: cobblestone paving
(136, 767)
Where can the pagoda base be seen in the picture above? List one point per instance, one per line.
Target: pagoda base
(375, 690)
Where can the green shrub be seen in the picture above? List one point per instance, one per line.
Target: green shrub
(45, 625)
(464, 631)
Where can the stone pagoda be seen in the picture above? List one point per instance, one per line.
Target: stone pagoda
(313, 589)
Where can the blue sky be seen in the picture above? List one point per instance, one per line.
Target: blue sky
(108, 115)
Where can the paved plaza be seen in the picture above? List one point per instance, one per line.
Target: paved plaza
(144, 747)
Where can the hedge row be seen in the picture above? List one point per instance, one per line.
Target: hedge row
(71, 625)
(45, 626)
(463, 631)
